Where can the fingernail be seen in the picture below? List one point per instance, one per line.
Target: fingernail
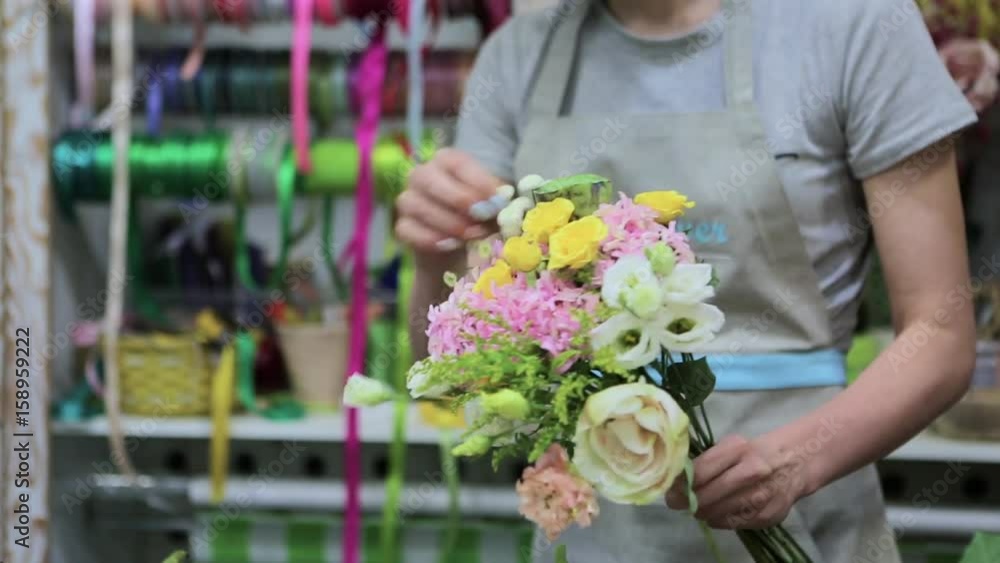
(499, 201)
(507, 191)
(448, 244)
(475, 231)
(483, 210)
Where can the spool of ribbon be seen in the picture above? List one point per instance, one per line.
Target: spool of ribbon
(490, 13)
(188, 166)
(245, 82)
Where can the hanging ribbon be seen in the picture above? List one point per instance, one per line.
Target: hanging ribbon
(222, 405)
(196, 55)
(83, 57)
(371, 74)
(121, 54)
(301, 40)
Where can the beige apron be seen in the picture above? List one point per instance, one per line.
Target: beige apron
(775, 357)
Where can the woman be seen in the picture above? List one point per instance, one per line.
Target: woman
(799, 128)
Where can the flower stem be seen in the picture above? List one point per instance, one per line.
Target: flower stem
(710, 540)
(561, 554)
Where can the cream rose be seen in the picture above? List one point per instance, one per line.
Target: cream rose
(631, 442)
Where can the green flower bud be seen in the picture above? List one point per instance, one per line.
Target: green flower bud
(473, 446)
(662, 258)
(507, 404)
(643, 300)
(362, 391)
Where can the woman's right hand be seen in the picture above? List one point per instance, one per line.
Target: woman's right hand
(448, 201)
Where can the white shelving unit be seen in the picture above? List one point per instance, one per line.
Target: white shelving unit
(376, 427)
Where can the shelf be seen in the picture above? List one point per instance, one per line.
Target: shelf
(927, 447)
(430, 497)
(942, 521)
(376, 427)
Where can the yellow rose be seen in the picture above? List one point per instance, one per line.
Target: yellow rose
(577, 244)
(522, 253)
(499, 274)
(669, 204)
(546, 217)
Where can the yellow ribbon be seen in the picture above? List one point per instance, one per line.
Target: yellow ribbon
(223, 385)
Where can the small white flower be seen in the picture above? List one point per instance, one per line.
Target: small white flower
(688, 284)
(639, 342)
(362, 391)
(419, 384)
(636, 340)
(511, 217)
(631, 284)
(684, 328)
(529, 183)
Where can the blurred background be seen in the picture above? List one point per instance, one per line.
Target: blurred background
(230, 265)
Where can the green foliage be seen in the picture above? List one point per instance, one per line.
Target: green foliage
(985, 548)
(693, 379)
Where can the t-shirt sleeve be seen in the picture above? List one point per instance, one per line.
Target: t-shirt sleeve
(486, 126)
(897, 98)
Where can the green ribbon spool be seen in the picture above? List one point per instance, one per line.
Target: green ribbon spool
(182, 166)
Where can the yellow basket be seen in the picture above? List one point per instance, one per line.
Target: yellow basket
(164, 375)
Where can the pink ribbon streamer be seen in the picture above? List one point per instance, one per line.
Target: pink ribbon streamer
(371, 75)
(301, 44)
(195, 56)
(83, 52)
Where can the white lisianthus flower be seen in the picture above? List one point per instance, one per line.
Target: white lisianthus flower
(639, 342)
(631, 442)
(687, 327)
(631, 284)
(688, 284)
(419, 384)
(362, 391)
(636, 341)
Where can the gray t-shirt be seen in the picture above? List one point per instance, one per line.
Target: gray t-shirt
(851, 87)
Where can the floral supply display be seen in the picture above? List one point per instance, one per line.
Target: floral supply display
(574, 347)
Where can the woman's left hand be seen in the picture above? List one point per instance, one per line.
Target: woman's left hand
(742, 484)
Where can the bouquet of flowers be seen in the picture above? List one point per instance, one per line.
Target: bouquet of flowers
(573, 348)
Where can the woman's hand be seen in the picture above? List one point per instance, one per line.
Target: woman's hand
(974, 64)
(448, 201)
(742, 484)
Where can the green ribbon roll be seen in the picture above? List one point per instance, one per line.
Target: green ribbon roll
(188, 166)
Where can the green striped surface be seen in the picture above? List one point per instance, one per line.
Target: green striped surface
(279, 538)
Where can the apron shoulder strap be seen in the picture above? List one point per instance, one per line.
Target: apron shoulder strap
(738, 40)
(558, 59)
